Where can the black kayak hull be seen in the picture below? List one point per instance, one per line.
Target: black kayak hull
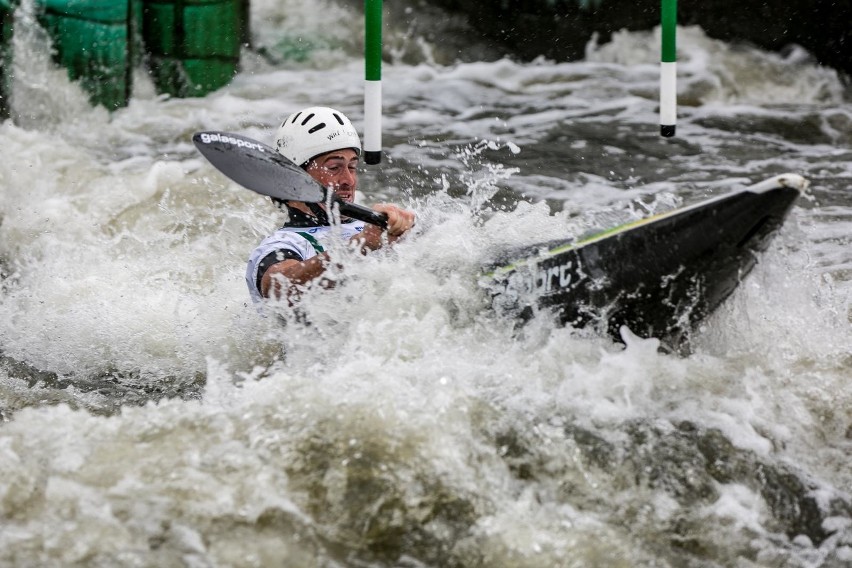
(658, 276)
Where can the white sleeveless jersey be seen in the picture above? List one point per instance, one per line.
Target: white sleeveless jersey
(299, 243)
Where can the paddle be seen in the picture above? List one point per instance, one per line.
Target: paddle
(258, 167)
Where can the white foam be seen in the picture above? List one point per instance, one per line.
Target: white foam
(125, 254)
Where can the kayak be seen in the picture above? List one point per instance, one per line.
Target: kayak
(658, 276)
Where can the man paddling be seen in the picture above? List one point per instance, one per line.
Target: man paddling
(324, 143)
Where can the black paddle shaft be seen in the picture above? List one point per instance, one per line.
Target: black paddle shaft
(260, 168)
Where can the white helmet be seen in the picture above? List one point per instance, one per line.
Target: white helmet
(314, 131)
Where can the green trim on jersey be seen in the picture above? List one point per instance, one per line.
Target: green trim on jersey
(314, 243)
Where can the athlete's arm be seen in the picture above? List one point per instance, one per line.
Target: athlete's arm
(292, 274)
(295, 274)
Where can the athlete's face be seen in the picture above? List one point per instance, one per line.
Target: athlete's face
(338, 171)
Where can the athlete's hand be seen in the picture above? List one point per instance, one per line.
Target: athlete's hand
(400, 221)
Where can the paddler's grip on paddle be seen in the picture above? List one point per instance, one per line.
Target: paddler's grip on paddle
(398, 220)
(362, 213)
(396, 223)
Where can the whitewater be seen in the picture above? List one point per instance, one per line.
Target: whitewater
(152, 417)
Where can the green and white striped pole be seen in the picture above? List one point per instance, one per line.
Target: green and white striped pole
(668, 69)
(373, 81)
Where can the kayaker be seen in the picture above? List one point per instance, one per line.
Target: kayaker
(325, 144)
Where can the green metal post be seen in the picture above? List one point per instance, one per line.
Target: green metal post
(668, 68)
(373, 81)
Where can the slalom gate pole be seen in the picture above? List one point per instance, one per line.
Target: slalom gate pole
(373, 81)
(668, 68)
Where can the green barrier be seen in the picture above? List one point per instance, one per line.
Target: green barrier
(6, 15)
(193, 45)
(92, 39)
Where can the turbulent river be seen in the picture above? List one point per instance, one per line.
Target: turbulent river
(150, 417)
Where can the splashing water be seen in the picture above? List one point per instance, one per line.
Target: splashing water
(152, 417)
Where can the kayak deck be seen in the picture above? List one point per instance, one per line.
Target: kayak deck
(658, 276)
